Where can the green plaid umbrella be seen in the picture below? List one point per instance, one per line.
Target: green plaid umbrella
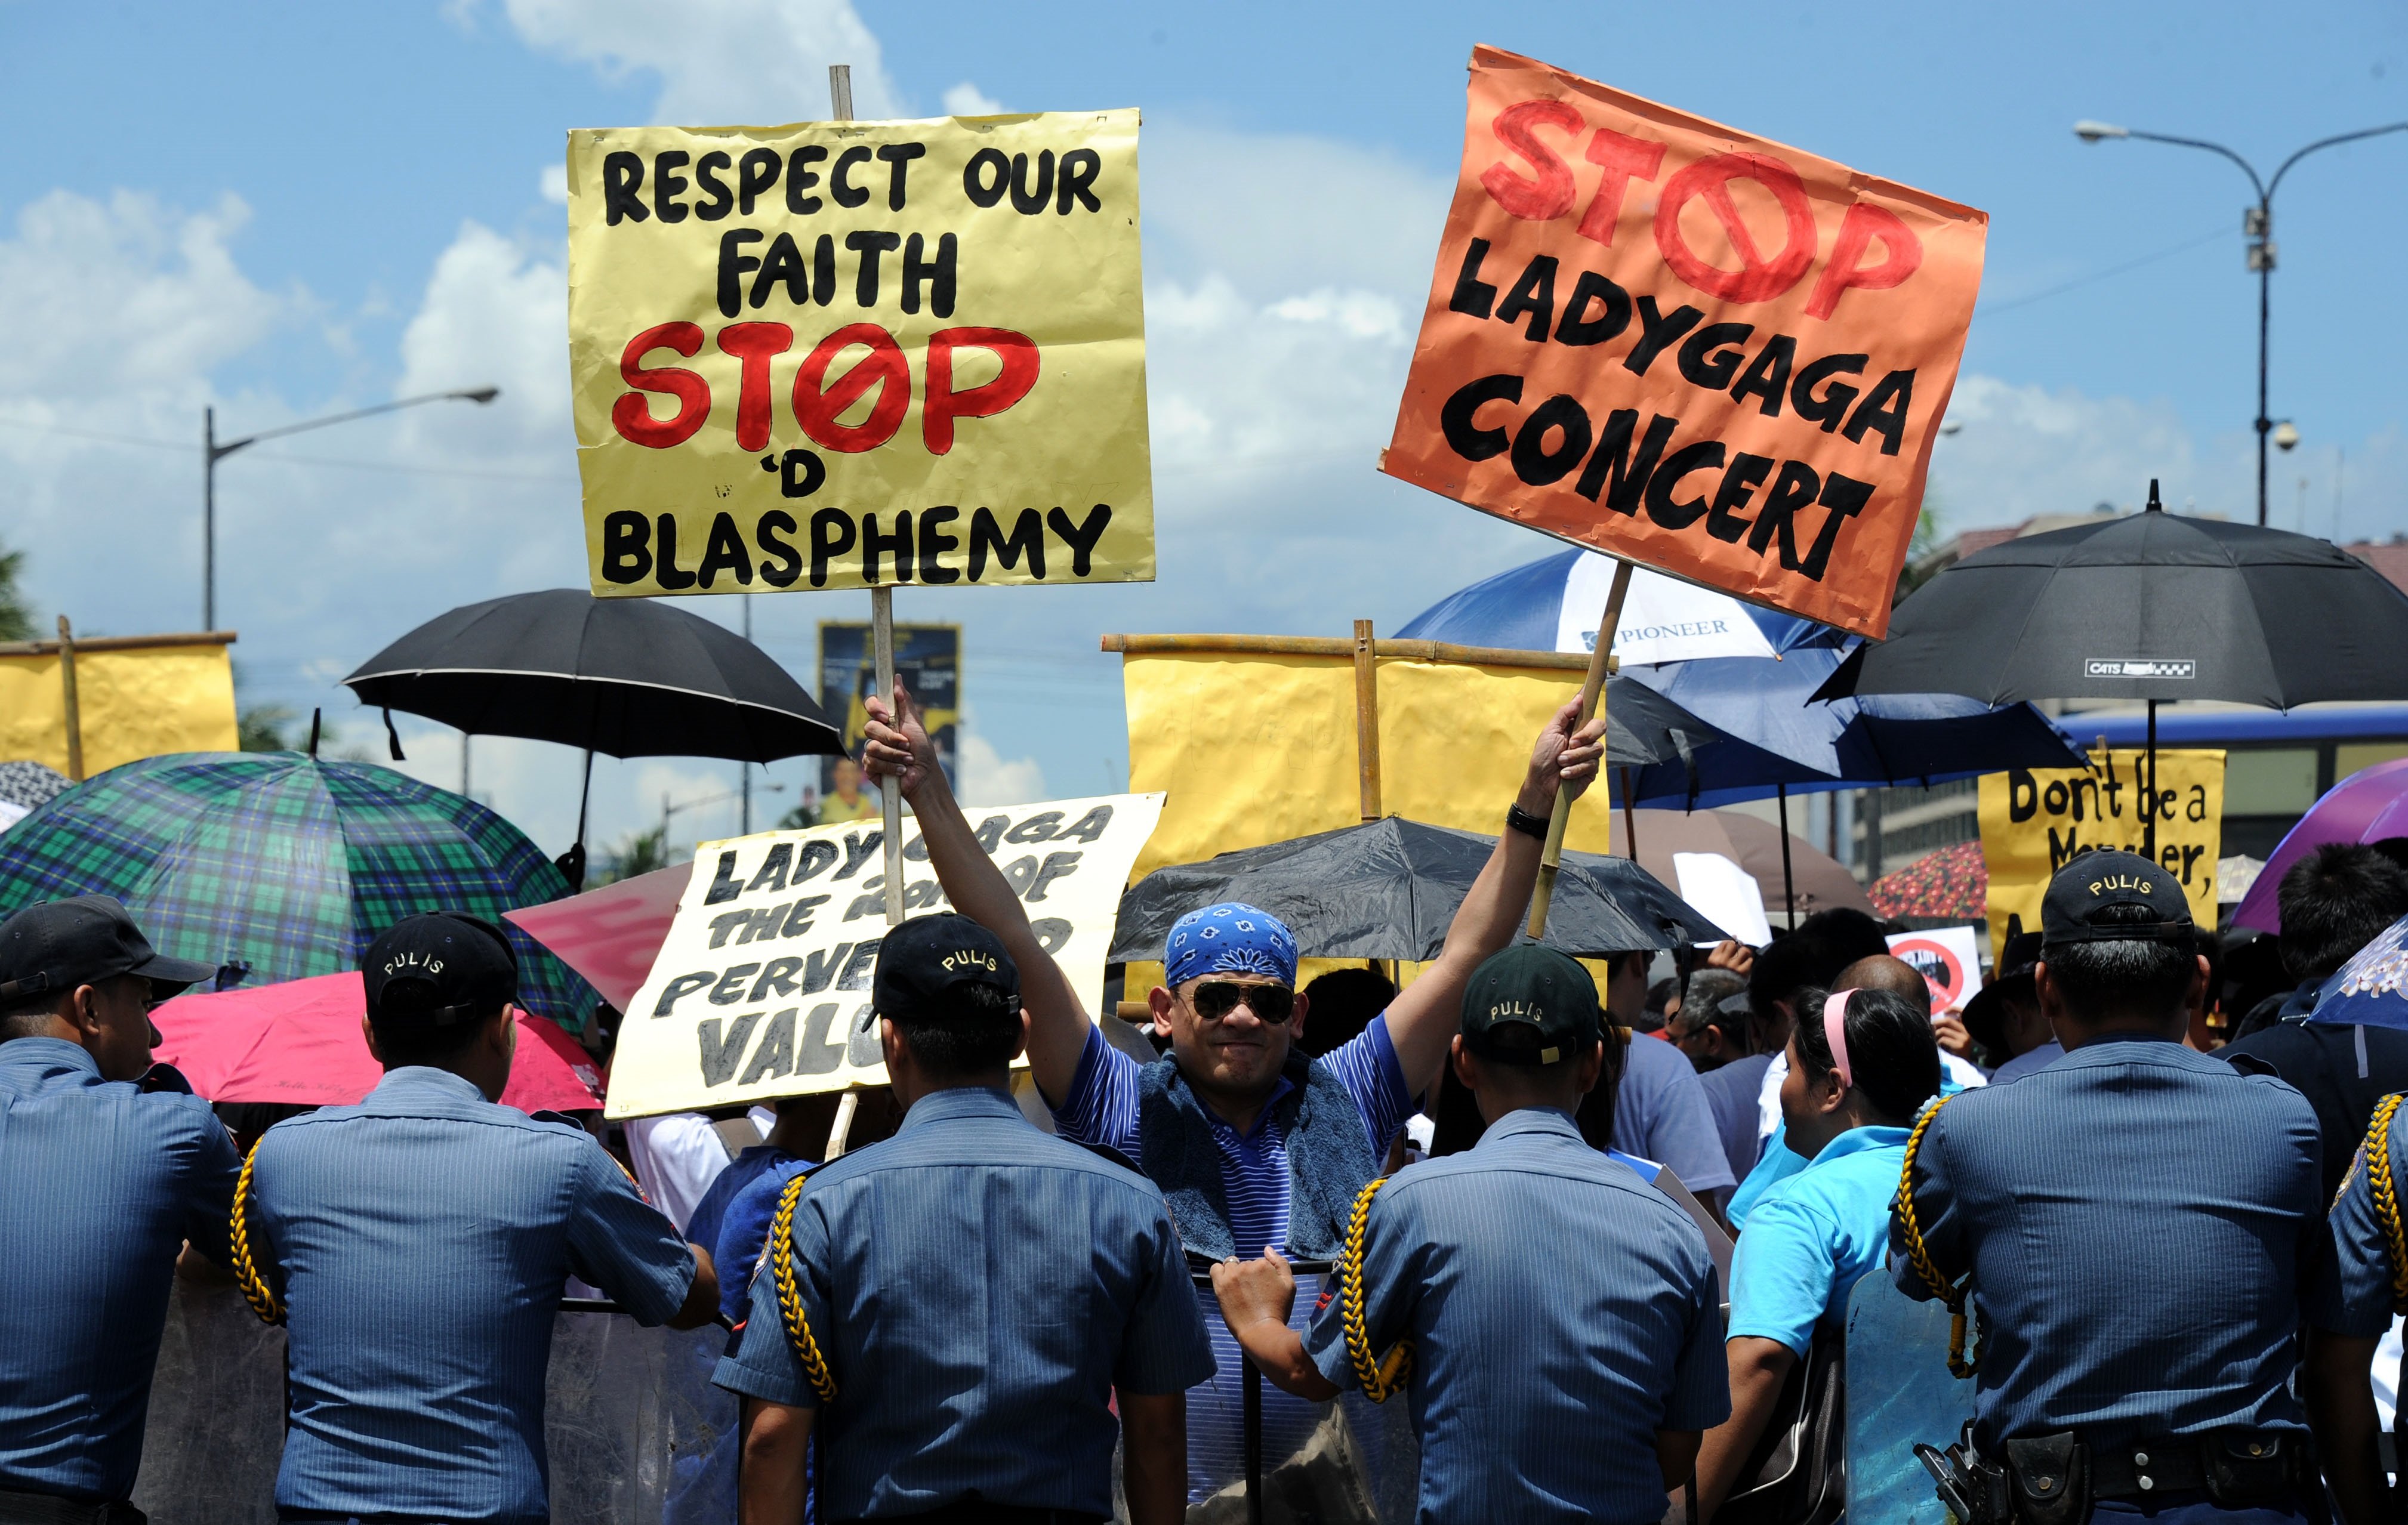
(287, 863)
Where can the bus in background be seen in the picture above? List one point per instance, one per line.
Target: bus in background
(2276, 763)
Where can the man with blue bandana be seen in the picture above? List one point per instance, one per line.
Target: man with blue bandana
(1254, 1144)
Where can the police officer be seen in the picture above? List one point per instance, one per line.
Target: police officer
(2131, 1228)
(101, 1182)
(1555, 1318)
(953, 1310)
(417, 1245)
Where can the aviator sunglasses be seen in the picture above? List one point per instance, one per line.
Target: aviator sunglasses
(1216, 998)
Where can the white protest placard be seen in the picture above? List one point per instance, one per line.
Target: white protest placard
(1948, 959)
(1725, 894)
(762, 988)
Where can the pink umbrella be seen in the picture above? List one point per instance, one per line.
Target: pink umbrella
(300, 1041)
(2367, 806)
(612, 935)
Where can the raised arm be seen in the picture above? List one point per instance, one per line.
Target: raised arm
(1058, 1024)
(1426, 1013)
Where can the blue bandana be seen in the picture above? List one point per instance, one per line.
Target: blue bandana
(1231, 938)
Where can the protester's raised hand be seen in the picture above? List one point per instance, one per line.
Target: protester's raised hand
(898, 747)
(1949, 1033)
(1733, 955)
(1565, 757)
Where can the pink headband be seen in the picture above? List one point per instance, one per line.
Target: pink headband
(1835, 1030)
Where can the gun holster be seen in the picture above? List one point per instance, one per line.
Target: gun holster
(2051, 1480)
(2248, 1468)
(1974, 1489)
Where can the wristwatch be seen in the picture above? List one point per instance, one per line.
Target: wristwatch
(1523, 821)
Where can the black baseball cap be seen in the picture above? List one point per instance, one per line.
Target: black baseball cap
(51, 947)
(437, 970)
(923, 963)
(2096, 880)
(1537, 988)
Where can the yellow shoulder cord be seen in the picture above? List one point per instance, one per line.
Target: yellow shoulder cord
(255, 1290)
(1384, 1377)
(2386, 1197)
(1953, 1297)
(790, 1301)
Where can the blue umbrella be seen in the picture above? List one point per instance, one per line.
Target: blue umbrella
(1779, 743)
(2372, 988)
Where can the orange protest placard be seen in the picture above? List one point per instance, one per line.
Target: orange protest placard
(1687, 346)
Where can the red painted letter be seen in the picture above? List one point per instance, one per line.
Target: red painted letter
(943, 405)
(818, 407)
(1550, 196)
(1758, 278)
(633, 417)
(1624, 159)
(1902, 249)
(754, 344)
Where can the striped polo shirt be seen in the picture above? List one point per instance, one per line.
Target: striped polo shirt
(1102, 1108)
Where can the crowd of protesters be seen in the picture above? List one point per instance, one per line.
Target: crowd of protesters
(1509, 1192)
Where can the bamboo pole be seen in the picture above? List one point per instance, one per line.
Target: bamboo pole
(1592, 692)
(1317, 646)
(74, 711)
(1366, 720)
(120, 643)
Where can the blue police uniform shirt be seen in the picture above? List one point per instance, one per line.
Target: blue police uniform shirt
(1562, 1312)
(1661, 1113)
(2351, 1293)
(423, 1238)
(978, 1290)
(2141, 1222)
(108, 1183)
(1811, 1238)
(1102, 1108)
(2026, 1062)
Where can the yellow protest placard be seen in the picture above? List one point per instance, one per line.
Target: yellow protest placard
(2036, 821)
(854, 355)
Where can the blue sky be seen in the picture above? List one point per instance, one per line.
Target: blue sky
(288, 209)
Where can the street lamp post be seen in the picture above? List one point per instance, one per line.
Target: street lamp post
(212, 451)
(2257, 224)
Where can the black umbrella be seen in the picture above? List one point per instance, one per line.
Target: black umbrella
(624, 676)
(1389, 889)
(2150, 606)
(1642, 728)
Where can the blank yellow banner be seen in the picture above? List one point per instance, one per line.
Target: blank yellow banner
(1254, 747)
(134, 703)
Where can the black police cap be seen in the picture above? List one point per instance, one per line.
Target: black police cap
(437, 970)
(2097, 881)
(923, 963)
(1539, 989)
(49, 949)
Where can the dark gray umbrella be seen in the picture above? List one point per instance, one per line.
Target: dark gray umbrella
(1388, 891)
(2153, 607)
(624, 676)
(1643, 729)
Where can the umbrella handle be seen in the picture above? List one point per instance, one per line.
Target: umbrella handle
(1592, 694)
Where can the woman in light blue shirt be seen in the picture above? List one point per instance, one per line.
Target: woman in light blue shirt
(1862, 1063)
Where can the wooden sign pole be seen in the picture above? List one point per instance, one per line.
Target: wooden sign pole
(882, 645)
(1592, 694)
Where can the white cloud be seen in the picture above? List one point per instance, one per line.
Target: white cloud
(553, 184)
(967, 100)
(2028, 450)
(987, 778)
(720, 62)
